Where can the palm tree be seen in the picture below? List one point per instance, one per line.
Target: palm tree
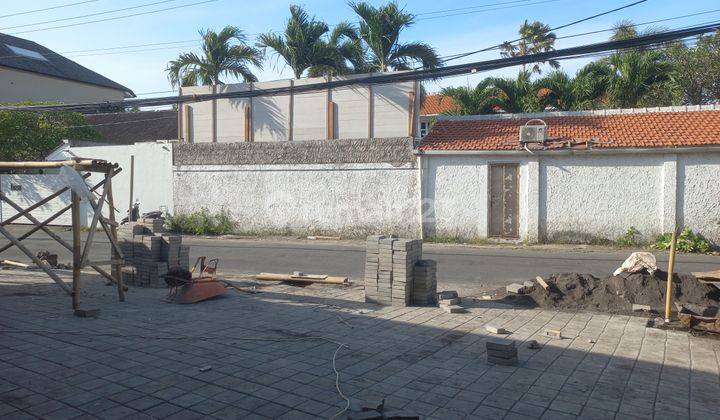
(220, 57)
(515, 95)
(346, 46)
(380, 29)
(635, 75)
(303, 44)
(472, 101)
(534, 38)
(587, 90)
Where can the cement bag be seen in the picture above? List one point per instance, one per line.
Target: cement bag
(636, 262)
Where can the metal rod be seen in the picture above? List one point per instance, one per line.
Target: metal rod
(671, 269)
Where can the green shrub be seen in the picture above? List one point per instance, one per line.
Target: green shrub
(628, 239)
(687, 241)
(201, 223)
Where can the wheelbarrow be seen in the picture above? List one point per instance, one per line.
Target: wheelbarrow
(184, 288)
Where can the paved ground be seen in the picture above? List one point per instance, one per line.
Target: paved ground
(469, 269)
(271, 356)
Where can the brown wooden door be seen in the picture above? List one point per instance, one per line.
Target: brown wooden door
(504, 200)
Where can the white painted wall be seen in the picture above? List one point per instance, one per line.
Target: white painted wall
(34, 188)
(578, 197)
(347, 199)
(306, 112)
(153, 175)
(17, 86)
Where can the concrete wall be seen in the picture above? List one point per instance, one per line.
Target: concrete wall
(346, 187)
(577, 198)
(153, 174)
(345, 199)
(26, 190)
(17, 86)
(359, 111)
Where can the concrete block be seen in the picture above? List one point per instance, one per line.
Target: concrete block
(453, 301)
(516, 288)
(453, 309)
(641, 308)
(447, 294)
(501, 361)
(556, 334)
(501, 345)
(495, 330)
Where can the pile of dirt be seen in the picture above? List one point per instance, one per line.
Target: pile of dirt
(616, 294)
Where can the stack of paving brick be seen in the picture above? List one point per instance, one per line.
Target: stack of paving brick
(501, 352)
(424, 283)
(149, 254)
(390, 265)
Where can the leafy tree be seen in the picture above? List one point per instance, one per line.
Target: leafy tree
(535, 38)
(220, 57)
(29, 135)
(380, 29)
(636, 78)
(472, 101)
(347, 50)
(303, 44)
(587, 90)
(515, 95)
(696, 70)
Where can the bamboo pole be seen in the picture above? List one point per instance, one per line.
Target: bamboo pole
(132, 185)
(671, 269)
(76, 251)
(47, 164)
(305, 279)
(115, 268)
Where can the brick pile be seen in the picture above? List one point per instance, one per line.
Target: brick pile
(149, 253)
(390, 272)
(501, 352)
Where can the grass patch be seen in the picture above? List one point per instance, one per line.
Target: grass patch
(201, 223)
(449, 239)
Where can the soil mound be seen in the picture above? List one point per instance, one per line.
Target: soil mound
(617, 294)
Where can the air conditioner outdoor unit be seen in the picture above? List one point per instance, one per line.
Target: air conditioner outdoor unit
(533, 133)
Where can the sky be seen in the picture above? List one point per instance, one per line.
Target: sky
(451, 27)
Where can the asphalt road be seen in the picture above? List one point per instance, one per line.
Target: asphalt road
(464, 267)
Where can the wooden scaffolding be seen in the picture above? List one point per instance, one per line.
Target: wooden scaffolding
(74, 173)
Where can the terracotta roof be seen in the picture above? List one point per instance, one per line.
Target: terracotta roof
(663, 127)
(437, 104)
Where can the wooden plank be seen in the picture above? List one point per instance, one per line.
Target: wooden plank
(707, 275)
(43, 265)
(542, 282)
(305, 279)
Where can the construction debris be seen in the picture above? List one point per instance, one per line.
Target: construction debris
(87, 313)
(533, 345)
(396, 275)
(636, 262)
(501, 352)
(700, 318)
(516, 288)
(550, 333)
(541, 282)
(496, 330)
(302, 278)
(617, 294)
(149, 253)
(14, 264)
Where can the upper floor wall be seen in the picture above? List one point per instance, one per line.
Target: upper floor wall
(349, 112)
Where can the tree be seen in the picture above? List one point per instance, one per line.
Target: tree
(303, 45)
(29, 135)
(220, 57)
(587, 90)
(535, 38)
(380, 29)
(347, 51)
(637, 77)
(472, 101)
(696, 70)
(515, 95)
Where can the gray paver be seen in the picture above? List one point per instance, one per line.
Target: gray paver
(420, 360)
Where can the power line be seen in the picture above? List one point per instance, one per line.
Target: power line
(130, 46)
(488, 10)
(115, 17)
(413, 75)
(552, 29)
(47, 8)
(471, 7)
(88, 15)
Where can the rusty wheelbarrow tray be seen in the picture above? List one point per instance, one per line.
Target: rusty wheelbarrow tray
(196, 289)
